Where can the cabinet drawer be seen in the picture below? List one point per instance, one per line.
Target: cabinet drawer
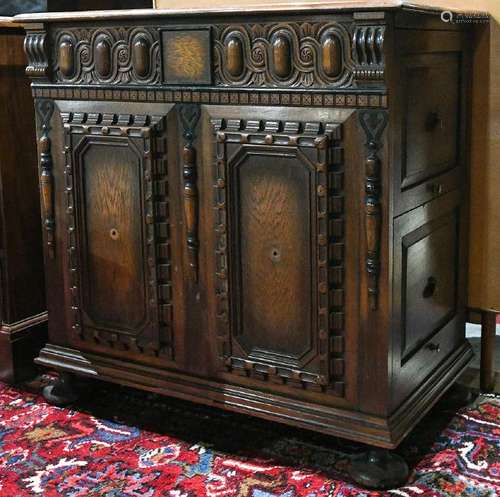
(428, 287)
(430, 128)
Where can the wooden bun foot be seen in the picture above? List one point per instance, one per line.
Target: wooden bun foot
(62, 392)
(379, 469)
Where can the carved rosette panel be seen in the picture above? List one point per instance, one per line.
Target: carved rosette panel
(283, 55)
(107, 55)
(147, 133)
(323, 143)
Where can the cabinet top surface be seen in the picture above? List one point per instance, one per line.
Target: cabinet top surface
(171, 7)
(8, 22)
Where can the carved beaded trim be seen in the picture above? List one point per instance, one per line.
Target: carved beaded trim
(156, 218)
(296, 99)
(325, 139)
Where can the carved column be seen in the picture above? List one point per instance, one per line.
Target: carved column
(373, 123)
(190, 114)
(45, 109)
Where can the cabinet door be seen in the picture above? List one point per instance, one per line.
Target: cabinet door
(279, 253)
(119, 274)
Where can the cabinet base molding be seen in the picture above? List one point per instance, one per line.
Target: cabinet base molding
(20, 342)
(354, 425)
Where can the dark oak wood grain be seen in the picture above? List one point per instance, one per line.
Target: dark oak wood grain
(22, 313)
(269, 218)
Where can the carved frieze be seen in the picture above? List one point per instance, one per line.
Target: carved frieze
(283, 55)
(107, 55)
(334, 54)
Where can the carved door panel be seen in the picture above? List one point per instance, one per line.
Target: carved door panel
(279, 252)
(118, 234)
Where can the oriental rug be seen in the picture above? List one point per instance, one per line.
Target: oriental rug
(119, 442)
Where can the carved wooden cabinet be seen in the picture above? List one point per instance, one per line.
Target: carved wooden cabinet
(265, 213)
(23, 316)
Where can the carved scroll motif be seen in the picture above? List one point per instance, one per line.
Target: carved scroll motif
(368, 53)
(35, 45)
(129, 55)
(373, 123)
(45, 109)
(190, 115)
(286, 54)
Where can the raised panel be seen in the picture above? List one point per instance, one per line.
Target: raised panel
(274, 267)
(279, 252)
(118, 236)
(431, 116)
(429, 280)
(112, 235)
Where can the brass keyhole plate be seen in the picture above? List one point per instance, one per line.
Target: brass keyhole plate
(113, 233)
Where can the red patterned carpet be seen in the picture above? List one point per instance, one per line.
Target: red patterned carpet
(163, 447)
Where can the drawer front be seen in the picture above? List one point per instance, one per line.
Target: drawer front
(430, 145)
(428, 290)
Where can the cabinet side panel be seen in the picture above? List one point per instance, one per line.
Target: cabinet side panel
(22, 265)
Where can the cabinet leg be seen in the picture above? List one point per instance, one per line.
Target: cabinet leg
(62, 392)
(379, 469)
(487, 369)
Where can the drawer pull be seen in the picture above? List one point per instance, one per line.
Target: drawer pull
(430, 288)
(435, 188)
(434, 347)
